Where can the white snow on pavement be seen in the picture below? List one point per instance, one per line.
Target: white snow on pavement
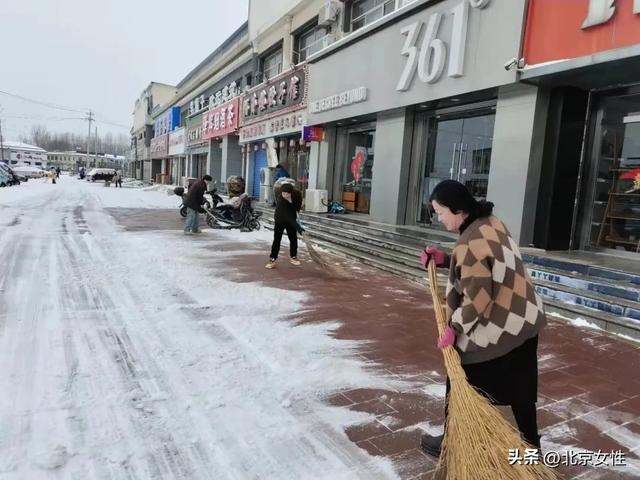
(129, 355)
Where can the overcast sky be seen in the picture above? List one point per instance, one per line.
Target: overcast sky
(101, 55)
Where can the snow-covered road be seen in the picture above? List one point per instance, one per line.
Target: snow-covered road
(128, 355)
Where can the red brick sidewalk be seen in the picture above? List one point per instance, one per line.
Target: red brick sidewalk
(589, 382)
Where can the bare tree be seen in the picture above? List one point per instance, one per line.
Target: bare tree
(52, 142)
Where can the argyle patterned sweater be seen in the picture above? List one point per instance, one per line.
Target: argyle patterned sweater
(491, 302)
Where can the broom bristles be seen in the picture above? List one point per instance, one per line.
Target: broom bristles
(320, 259)
(477, 437)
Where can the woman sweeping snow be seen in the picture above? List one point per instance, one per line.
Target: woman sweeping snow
(493, 312)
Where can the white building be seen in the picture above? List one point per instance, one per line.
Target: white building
(15, 153)
(72, 161)
(150, 100)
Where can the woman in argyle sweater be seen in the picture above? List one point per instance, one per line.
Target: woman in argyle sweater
(493, 311)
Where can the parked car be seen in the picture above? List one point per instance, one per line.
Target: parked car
(14, 178)
(101, 174)
(19, 178)
(5, 178)
(27, 171)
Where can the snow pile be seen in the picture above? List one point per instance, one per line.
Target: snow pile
(580, 322)
(166, 189)
(113, 197)
(21, 195)
(132, 183)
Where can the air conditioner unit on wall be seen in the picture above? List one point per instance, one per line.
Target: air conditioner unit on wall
(266, 194)
(316, 201)
(266, 178)
(328, 13)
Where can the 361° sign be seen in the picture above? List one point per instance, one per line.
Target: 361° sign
(429, 59)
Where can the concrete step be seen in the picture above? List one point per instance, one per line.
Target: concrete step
(593, 271)
(619, 289)
(612, 304)
(372, 230)
(414, 274)
(595, 301)
(604, 321)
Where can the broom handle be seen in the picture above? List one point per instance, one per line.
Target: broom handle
(437, 302)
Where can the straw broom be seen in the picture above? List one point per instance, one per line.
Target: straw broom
(321, 260)
(316, 256)
(477, 437)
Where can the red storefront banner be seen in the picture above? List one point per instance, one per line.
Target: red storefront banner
(567, 29)
(221, 120)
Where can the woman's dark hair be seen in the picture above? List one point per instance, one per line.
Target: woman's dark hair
(286, 188)
(457, 198)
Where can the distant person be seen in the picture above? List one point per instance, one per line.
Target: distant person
(281, 172)
(57, 172)
(117, 180)
(193, 201)
(52, 176)
(288, 204)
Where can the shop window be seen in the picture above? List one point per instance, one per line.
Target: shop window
(358, 174)
(363, 12)
(615, 183)
(310, 41)
(271, 64)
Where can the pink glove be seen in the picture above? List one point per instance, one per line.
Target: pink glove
(434, 253)
(448, 338)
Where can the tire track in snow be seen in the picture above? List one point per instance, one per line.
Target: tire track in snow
(323, 441)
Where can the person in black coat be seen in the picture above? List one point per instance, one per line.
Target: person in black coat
(288, 204)
(193, 201)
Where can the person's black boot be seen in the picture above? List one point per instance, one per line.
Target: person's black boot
(431, 445)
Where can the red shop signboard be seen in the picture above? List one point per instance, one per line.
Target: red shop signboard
(567, 29)
(221, 120)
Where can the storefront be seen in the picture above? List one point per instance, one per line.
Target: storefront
(272, 118)
(220, 128)
(177, 157)
(197, 149)
(159, 151)
(161, 164)
(429, 111)
(590, 63)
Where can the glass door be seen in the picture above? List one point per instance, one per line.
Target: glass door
(611, 209)
(475, 154)
(460, 150)
(356, 187)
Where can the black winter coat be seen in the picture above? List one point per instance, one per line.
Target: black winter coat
(286, 212)
(195, 195)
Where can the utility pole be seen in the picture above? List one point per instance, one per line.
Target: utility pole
(89, 119)
(95, 156)
(1, 143)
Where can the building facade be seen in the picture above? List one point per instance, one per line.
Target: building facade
(419, 95)
(284, 34)
(586, 55)
(152, 97)
(18, 153)
(211, 88)
(71, 161)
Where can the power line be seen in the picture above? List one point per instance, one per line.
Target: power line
(90, 116)
(46, 104)
(34, 117)
(128, 127)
